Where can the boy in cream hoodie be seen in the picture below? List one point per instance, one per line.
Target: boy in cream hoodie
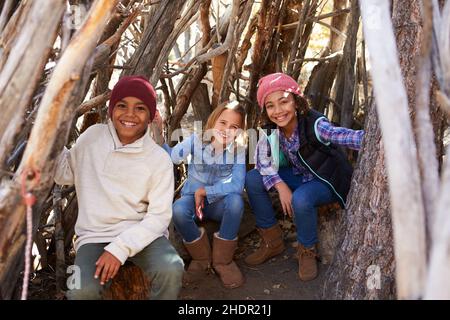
(124, 183)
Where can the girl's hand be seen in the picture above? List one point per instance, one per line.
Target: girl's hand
(199, 196)
(285, 195)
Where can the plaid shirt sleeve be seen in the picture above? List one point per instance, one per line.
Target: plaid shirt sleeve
(338, 135)
(265, 164)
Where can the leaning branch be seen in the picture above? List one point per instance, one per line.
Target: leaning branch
(229, 38)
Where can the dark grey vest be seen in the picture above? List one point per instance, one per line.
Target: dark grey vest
(324, 160)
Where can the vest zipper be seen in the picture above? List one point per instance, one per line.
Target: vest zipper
(322, 179)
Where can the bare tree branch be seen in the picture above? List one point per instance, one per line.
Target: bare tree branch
(229, 38)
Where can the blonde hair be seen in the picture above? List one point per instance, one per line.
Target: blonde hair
(236, 107)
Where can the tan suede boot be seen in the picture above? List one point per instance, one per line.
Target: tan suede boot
(200, 251)
(272, 245)
(223, 264)
(307, 263)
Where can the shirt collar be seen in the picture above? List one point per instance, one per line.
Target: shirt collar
(293, 137)
(135, 147)
(229, 148)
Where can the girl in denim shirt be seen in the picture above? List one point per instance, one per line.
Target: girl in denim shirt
(213, 190)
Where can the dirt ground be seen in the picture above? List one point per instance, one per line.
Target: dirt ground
(277, 279)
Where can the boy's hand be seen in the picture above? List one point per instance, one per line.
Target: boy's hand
(285, 195)
(199, 197)
(107, 267)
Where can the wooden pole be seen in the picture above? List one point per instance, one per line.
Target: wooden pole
(401, 159)
(62, 83)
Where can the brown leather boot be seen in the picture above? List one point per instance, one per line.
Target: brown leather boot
(200, 251)
(307, 262)
(226, 268)
(272, 245)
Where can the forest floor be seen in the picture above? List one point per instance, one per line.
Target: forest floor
(277, 279)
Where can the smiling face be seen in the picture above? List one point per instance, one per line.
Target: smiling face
(281, 107)
(226, 127)
(130, 117)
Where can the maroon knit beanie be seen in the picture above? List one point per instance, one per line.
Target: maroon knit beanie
(134, 86)
(275, 82)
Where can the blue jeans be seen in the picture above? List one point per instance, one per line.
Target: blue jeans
(305, 199)
(228, 210)
(159, 261)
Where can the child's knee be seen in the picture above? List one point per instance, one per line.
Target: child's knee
(235, 203)
(180, 212)
(301, 203)
(253, 179)
(175, 269)
(172, 271)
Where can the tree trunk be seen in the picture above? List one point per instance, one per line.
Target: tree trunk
(321, 81)
(200, 104)
(129, 284)
(330, 220)
(217, 68)
(407, 23)
(373, 256)
(349, 67)
(364, 265)
(336, 40)
(342, 108)
(401, 158)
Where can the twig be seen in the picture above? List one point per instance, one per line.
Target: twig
(338, 32)
(292, 25)
(8, 173)
(330, 57)
(93, 103)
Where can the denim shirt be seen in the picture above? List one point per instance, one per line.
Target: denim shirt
(220, 174)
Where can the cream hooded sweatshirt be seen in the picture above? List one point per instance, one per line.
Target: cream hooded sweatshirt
(124, 192)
